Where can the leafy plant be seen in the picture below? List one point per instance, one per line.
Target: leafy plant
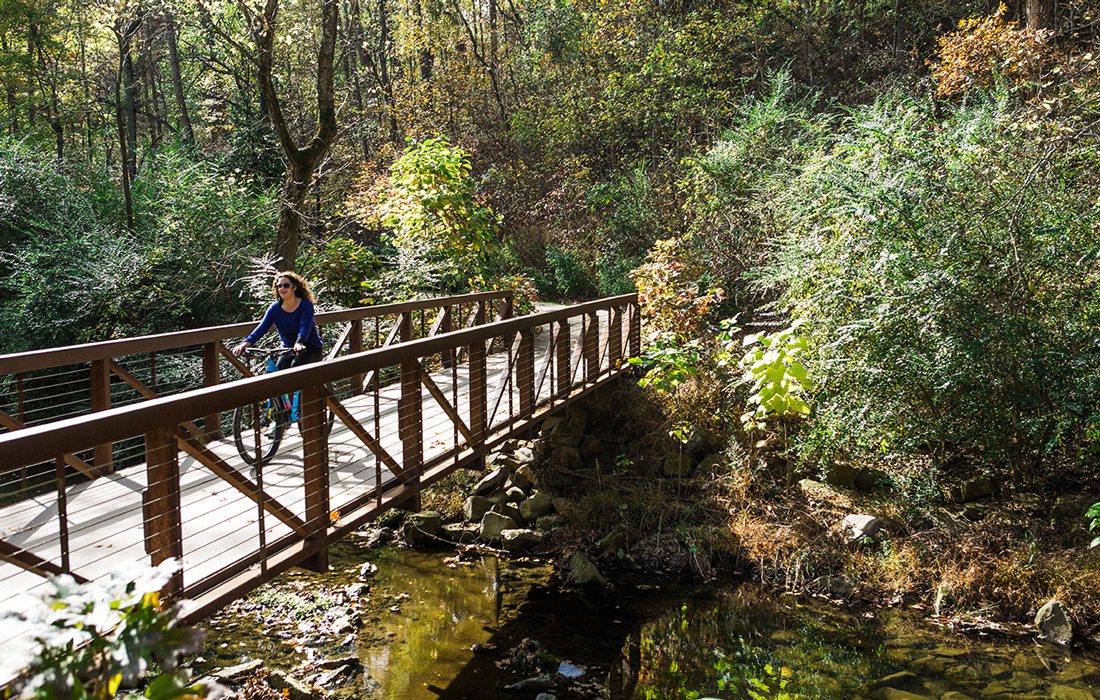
(1093, 515)
(672, 296)
(669, 360)
(779, 380)
(92, 639)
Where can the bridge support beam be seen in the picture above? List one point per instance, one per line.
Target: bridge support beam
(410, 422)
(102, 455)
(161, 503)
(211, 376)
(315, 462)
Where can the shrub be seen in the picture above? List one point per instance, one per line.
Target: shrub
(572, 280)
(669, 291)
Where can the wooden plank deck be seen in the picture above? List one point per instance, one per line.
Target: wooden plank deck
(221, 525)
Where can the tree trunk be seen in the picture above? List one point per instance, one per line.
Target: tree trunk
(1040, 14)
(129, 102)
(302, 162)
(186, 131)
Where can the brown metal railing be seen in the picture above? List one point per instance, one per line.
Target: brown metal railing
(43, 386)
(424, 408)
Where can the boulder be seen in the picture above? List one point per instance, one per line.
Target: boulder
(524, 477)
(549, 522)
(559, 440)
(520, 539)
(867, 479)
(973, 489)
(505, 461)
(591, 447)
(515, 494)
(295, 689)
(676, 464)
(509, 510)
(493, 524)
(567, 458)
(525, 455)
(840, 474)
(538, 505)
(711, 463)
(614, 541)
(1068, 692)
(1053, 622)
(461, 533)
(584, 572)
(423, 528)
(856, 527)
(239, 672)
(474, 507)
(546, 696)
(491, 482)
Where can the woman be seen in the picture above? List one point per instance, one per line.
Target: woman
(292, 315)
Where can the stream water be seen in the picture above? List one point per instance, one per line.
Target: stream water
(434, 629)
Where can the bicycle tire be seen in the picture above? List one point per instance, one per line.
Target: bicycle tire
(271, 433)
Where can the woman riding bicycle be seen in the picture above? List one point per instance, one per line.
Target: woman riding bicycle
(292, 316)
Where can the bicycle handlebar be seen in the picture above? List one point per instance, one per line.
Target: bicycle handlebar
(269, 352)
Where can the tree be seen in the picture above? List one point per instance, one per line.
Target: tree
(303, 162)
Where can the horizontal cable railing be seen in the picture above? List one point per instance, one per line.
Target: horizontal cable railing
(54, 384)
(299, 457)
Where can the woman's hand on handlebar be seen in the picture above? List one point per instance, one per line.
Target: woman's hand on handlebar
(239, 350)
(299, 348)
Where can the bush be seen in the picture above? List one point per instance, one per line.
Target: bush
(572, 280)
(948, 274)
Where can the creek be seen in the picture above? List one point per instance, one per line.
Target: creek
(434, 627)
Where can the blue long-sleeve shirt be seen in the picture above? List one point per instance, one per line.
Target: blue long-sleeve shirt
(297, 326)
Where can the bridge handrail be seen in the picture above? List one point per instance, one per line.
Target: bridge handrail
(107, 349)
(44, 442)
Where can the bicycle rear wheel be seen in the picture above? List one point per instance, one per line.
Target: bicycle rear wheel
(271, 430)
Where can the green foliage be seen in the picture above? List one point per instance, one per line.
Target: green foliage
(1093, 516)
(572, 280)
(442, 233)
(779, 381)
(947, 271)
(93, 639)
(338, 269)
(669, 360)
(671, 292)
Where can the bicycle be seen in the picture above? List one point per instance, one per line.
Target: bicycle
(275, 416)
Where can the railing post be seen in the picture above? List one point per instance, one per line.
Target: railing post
(614, 338)
(478, 390)
(102, 456)
(564, 356)
(355, 345)
(525, 373)
(635, 333)
(161, 503)
(410, 421)
(591, 347)
(447, 357)
(211, 376)
(506, 308)
(315, 460)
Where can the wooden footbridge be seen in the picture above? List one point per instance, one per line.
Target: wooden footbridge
(122, 451)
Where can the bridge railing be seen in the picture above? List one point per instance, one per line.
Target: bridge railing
(428, 406)
(43, 386)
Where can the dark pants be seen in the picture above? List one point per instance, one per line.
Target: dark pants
(303, 358)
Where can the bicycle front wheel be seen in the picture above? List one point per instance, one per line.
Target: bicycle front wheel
(246, 426)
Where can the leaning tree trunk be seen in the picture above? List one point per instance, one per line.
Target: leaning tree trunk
(302, 162)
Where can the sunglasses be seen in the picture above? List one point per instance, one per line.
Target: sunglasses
(284, 285)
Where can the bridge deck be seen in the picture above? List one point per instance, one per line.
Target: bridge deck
(231, 530)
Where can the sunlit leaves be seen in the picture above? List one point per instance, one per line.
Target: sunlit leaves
(779, 381)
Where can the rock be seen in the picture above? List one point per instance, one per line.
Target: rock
(995, 688)
(515, 494)
(355, 591)
(536, 506)
(867, 479)
(491, 482)
(1068, 692)
(367, 571)
(896, 694)
(614, 541)
(567, 458)
(493, 524)
(676, 464)
(840, 586)
(584, 572)
(1028, 662)
(351, 660)
(509, 510)
(328, 680)
(505, 461)
(855, 526)
(520, 539)
(1024, 681)
(378, 536)
(525, 456)
(591, 447)
(815, 490)
(569, 670)
(549, 522)
(296, 689)
(1071, 507)
(840, 474)
(423, 528)
(973, 489)
(902, 680)
(527, 685)
(546, 696)
(524, 477)
(550, 423)
(572, 441)
(961, 673)
(461, 533)
(1053, 623)
(238, 672)
(955, 695)
(929, 665)
(474, 507)
(711, 463)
